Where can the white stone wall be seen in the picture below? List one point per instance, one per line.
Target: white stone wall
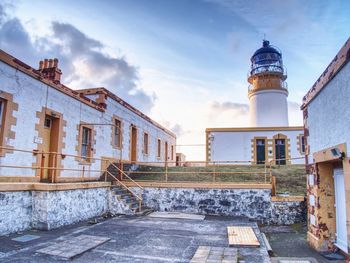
(53, 209)
(268, 108)
(252, 203)
(31, 96)
(237, 146)
(329, 114)
(15, 211)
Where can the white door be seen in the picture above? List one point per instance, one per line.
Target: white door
(340, 210)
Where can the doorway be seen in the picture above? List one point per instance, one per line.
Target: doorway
(50, 144)
(280, 151)
(166, 152)
(340, 209)
(133, 144)
(260, 151)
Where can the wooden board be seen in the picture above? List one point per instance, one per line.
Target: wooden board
(242, 236)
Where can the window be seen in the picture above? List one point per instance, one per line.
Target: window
(172, 152)
(47, 123)
(2, 109)
(117, 133)
(159, 148)
(86, 143)
(302, 143)
(145, 143)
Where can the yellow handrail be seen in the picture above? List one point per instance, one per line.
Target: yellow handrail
(120, 170)
(139, 197)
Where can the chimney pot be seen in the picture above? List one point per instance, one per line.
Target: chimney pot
(41, 65)
(50, 63)
(46, 61)
(55, 62)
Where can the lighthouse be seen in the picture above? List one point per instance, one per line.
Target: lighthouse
(268, 90)
(269, 138)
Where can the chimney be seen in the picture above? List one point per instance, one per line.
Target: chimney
(49, 70)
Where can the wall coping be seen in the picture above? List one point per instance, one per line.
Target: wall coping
(9, 187)
(287, 198)
(200, 185)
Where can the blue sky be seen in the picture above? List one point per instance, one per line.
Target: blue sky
(183, 62)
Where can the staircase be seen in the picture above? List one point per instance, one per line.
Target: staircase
(123, 199)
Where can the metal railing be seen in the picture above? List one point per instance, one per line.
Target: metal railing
(52, 175)
(216, 172)
(198, 171)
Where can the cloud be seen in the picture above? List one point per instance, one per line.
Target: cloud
(178, 130)
(228, 114)
(82, 59)
(239, 108)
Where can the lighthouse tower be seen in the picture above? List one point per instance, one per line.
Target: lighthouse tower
(268, 91)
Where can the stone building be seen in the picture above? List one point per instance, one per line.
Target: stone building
(269, 137)
(327, 123)
(40, 114)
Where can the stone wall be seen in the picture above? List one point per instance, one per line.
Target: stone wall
(47, 210)
(255, 204)
(52, 209)
(15, 211)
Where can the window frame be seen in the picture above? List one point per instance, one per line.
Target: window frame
(159, 148)
(145, 146)
(172, 152)
(90, 144)
(117, 144)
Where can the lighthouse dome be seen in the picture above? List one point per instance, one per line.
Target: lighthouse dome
(266, 59)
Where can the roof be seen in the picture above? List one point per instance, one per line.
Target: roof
(36, 74)
(339, 61)
(76, 94)
(267, 48)
(252, 129)
(126, 105)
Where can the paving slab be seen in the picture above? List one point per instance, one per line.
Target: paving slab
(137, 239)
(293, 260)
(177, 215)
(206, 254)
(74, 246)
(25, 238)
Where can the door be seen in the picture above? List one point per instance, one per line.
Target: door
(46, 148)
(50, 144)
(166, 152)
(340, 209)
(280, 150)
(133, 142)
(260, 151)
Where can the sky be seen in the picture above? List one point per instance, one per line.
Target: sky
(183, 62)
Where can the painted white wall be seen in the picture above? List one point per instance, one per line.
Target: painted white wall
(32, 95)
(329, 114)
(237, 146)
(268, 108)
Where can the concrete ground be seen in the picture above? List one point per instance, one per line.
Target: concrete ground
(135, 239)
(291, 242)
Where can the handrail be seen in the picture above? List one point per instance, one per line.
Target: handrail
(139, 197)
(127, 188)
(120, 170)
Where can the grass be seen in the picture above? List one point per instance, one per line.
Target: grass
(290, 178)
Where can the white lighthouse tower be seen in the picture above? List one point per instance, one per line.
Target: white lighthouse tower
(268, 91)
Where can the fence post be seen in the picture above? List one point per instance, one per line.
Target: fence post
(166, 172)
(273, 188)
(82, 177)
(214, 174)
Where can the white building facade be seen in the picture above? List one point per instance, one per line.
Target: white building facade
(39, 114)
(327, 123)
(269, 137)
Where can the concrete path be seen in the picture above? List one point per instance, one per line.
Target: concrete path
(290, 242)
(135, 239)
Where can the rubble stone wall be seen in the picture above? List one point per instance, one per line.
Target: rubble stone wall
(255, 204)
(15, 211)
